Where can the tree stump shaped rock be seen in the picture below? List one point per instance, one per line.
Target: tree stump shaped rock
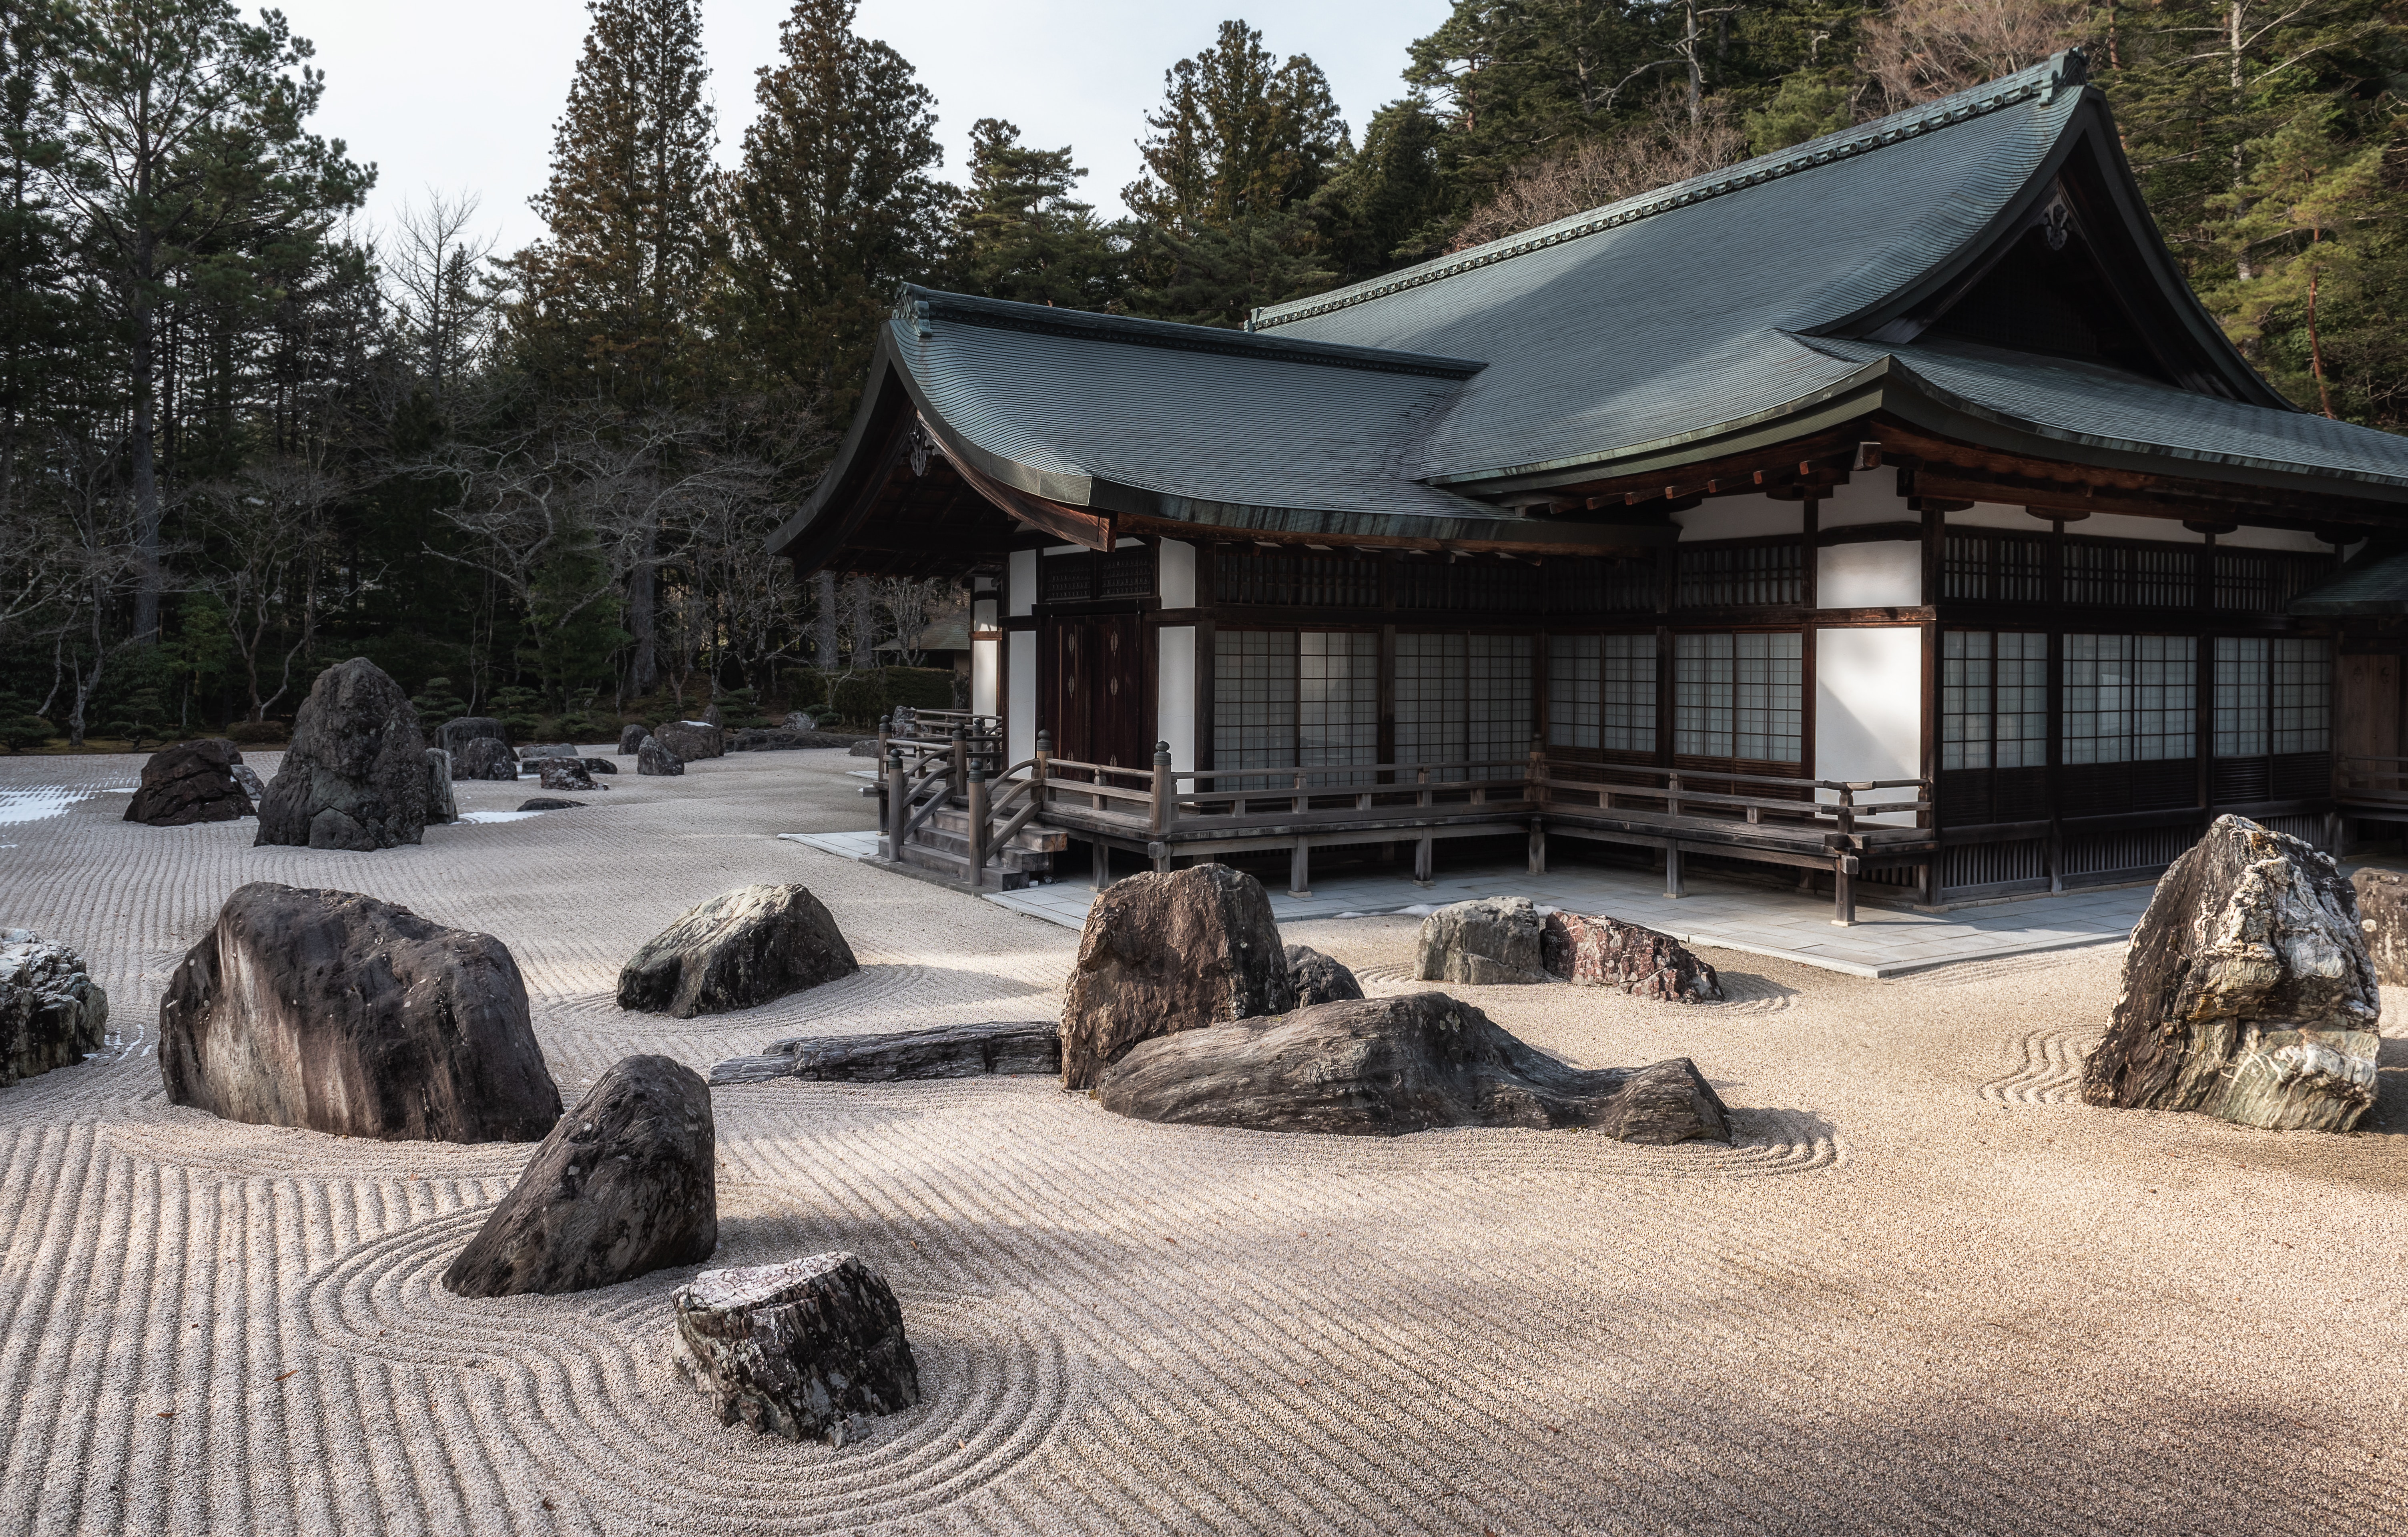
(52, 1015)
(692, 740)
(742, 948)
(354, 776)
(1495, 939)
(1384, 1067)
(191, 781)
(625, 1184)
(1163, 953)
(345, 1014)
(1600, 952)
(562, 774)
(1318, 979)
(2248, 991)
(485, 757)
(631, 738)
(441, 806)
(2383, 918)
(454, 736)
(798, 1349)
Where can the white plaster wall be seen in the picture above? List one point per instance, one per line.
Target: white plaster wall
(1020, 698)
(1996, 516)
(1020, 585)
(1177, 574)
(1884, 575)
(1869, 708)
(1175, 692)
(986, 659)
(1740, 518)
(1870, 497)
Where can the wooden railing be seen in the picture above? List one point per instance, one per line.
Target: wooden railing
(2370, 781)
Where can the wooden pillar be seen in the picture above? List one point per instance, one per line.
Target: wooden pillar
(1675, 884)
(1102, 873)
(898, 802)
(1165, 806)
(978, 827)
(1300, 869)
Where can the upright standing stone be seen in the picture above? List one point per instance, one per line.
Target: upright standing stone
(485, 757)
(454, 736)
(631, 738)
(356, 774)
(2248, 992)
(742, 948)
(692, 740)
(625, 1184)
(440, 805)
(1169, 952)
(2383, 918)
(652, 758)
(797, 1349)
(341, 1013)
(191, 781)
(52, 1015)
(1494, 940)
(1597, 952)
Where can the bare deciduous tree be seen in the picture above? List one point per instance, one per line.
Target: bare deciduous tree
(442, 297)
(1666, 146)
(265, 543)
(1922, 50)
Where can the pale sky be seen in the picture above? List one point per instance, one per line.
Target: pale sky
(460, 95)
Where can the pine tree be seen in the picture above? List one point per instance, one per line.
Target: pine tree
(833, 206)
(36, 303)
(1019, 233)
(611, 295)
(1386, 203)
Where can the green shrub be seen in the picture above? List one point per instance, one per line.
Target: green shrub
(436, 703)
(516, 708)
(20, 728)
(807, 689)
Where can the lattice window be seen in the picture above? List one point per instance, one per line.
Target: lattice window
(1337, 702)
(1993, 700)
(2132, 575)
(1983, 565)
(2265, 581)
(1593, 585)
(1298, 579)
(2272, 697)
(1464, 698)
(1726, 576)
(1086, 576)
(1601, 692)
(1738, 695)
(2131, 698)
(1125, 573)
(1254, 702)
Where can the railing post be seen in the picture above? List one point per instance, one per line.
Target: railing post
(898, 803)
(1672, 798)
(978, 828)
(961, 747)
(1844, 882)
(1166, 801)
(1537, 772)
(1425, 844)
(1299, 868)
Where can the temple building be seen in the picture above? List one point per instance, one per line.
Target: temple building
(1900, 468)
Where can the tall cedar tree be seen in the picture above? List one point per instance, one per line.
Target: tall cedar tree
(35, 299)
(185, 137)
(609, 296)
(1240, 142)
(1019, 233)
(834, 205)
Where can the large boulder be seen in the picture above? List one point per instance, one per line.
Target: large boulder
(484, 757)
(1494, 940)
(441, 806)
(941, 1051)
(631, 738)
(652, 758)
(599, 766)
(455, 735)
(562, 774)
(356, 774)
(2383, 918)
(345, 1014)
(1164, 951)
(1318, 979)
(798, 1349)
(692, 740)
(1599, 952)
(52, 1015)
(625, 1184)
(1381, 1066)
(739, 949)
(191, 781)
(2248, 992)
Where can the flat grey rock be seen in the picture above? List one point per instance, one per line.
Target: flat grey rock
(945, 1051)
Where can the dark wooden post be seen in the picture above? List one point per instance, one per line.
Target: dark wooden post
(1166, 805)
(1423, 847)
(1538, 797)
(1843, 883)
(978, 827)
(961, 764)
(898, 802)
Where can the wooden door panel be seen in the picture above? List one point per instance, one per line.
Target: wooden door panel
(2367, 717)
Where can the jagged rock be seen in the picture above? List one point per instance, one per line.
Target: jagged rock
(345, 1014)
(440, 805)
(2383, 918)
(1600, 952)
(531, 755)
(484, 757)
(946, 1051)
(1169, 952)
(712, 716)
(548, 803)
(454, 736)
(191, 781)
(248, 777)
(692, 740)
(1381, 1066)
(354, 776)
(52, 1015)
(742, 948)
(2248, 992)
(599, 766)
(625, 1184)
(1494, 940)
(631, 738)
(562, 774)
(798, 1349)
(652, 758)
(1317, 979)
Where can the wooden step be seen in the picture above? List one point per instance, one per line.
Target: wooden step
(1036, 837)
(957, 865)
(958, 847)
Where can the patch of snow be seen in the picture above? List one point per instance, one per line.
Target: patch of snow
(48, 800)
(497, 816)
